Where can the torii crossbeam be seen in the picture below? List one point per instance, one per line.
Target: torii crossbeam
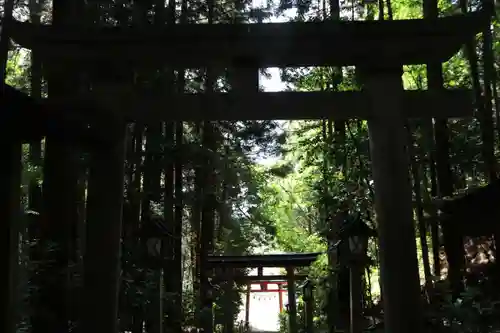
(329, 43)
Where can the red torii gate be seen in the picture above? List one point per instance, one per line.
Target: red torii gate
(264, 281)
(279, 290)
(289, 261)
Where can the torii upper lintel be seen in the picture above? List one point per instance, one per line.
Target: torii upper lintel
(344, 43)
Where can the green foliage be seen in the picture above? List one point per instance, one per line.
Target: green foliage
(473, 312)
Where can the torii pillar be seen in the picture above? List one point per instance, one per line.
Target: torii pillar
(393, 203)
(382, 79)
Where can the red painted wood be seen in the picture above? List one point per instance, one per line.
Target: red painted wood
(268, 291)
(269, 282)
(280, 297)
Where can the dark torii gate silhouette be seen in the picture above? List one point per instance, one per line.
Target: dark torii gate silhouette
(377, 49)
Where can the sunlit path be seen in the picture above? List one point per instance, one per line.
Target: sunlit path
(264, 306)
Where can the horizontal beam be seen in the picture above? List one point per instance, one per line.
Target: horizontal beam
(277, 105)
(367, 43)
(267, 278)
(269, 291)
(268, 260)
(48, 120)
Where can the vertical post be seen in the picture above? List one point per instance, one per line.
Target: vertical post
(229, 311)
(247, 307)
(401, 287)
(356, 313)
(161, 292)
(343, 291)
(61, 171)
(280, 296)
(308, 308)
(292, 302)
(10, 185)
(245, 76)
(103, 238)
(260, 272)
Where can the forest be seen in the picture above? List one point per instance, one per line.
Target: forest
(245, 187)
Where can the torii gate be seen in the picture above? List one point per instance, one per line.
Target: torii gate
(280, 282)
(226, 264)
(378, 49)
(263, 282)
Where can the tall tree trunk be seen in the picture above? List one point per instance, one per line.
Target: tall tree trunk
(435, 82)
(429, 151)
(335, 146)
(483, 104)
(168, 245)
(178, 221)
(422, 227)
(441, 135)
(130, 313)
(229, 312)
(208, 209)
(152, 194)
(207, 227)
(487, 128)
(196, 212)
(134, 211)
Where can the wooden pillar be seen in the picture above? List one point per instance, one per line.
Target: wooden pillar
(393, 202)
(280, 295)
(228, 312)
(292, 301)
(160, 315)
(245, 76)
(103, 237)
(247, 306)
(309, 310)
(10, 181)
(260, 273)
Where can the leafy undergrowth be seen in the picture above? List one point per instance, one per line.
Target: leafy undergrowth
(473, 311)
